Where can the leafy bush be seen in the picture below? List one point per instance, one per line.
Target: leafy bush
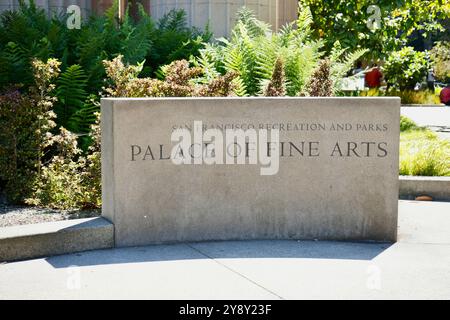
(36, 166)
(26, 122)
(416, 97)
(29, 33)
(18, 144)
(404, 68)
(422, 153)
(178, 81)
(440, 55)
(70, 180)
(407, 96)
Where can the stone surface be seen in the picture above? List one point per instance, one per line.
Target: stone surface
(52, 238)
(416, 267)
(424, 222)
(338, 195)
(436, 187)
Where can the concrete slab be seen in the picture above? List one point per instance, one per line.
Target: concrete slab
(51, 238)
(401, 271)
(154, 272)
(436, 187)
(416, 267)
(424, 222)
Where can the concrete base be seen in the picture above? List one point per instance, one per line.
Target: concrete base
(52, 238)
(416, 267)
(413, 186)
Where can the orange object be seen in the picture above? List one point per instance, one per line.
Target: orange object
(424, 198)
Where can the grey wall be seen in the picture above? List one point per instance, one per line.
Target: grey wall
(346, 195)
(221, 14)
(50, 5)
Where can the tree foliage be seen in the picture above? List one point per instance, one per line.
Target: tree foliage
(440, 56)
(354, 23)
(404, 68)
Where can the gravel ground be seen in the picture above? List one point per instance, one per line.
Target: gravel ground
(19, 215)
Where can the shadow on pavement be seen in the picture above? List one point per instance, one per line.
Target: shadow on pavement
(264, 249)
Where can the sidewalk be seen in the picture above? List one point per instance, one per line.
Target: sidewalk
(416, 267)
(435, 118)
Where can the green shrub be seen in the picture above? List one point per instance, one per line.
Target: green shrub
(36, 166)
(416, 97)
(18, 144)
(406, 96)
(60, 182)
(404, 68)
(422, 153)
(26, 122)
(70, 180)
(29, 33)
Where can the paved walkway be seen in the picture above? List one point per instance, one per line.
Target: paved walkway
(435, 118)
(416, 267)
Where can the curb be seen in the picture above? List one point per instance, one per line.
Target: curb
(436, 187)
(423, 105)
(54, 238)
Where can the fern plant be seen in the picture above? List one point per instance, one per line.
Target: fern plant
(35, 35)
(82, 120)
(136, 37)
(15, 65)
(75, 109)
(341, 62)
(29, 33)
(71, 94)
(253, 49)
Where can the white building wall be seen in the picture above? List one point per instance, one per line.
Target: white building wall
(221, 13)
(58, 6)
